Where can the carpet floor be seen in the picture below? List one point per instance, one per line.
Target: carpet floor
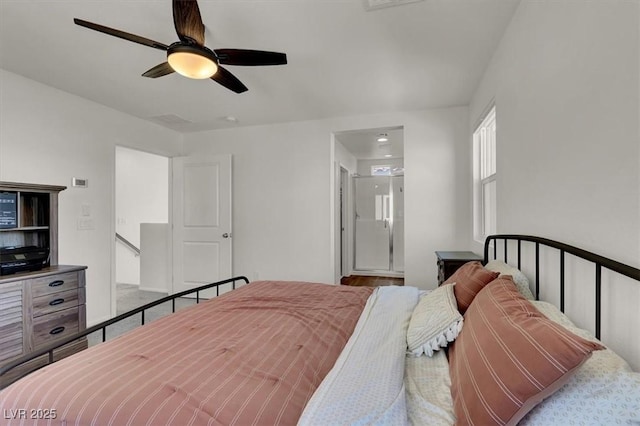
(130, 297)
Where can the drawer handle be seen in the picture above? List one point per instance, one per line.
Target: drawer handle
(56, 283)
(57, 330)
(55, 302)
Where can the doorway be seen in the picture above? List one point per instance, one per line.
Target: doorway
(370, 196)
(141, 206)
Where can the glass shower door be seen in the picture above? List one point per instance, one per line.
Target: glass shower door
(372, 227)
(379, 223)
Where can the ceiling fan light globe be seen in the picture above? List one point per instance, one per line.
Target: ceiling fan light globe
(192, 65)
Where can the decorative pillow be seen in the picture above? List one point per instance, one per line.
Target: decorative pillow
(435, 322)
(469, 280)
(520, 280)
(509, 357)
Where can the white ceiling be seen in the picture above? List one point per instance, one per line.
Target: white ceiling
(343, 59)
(364, 145)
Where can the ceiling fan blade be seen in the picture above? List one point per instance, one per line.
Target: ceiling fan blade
(250, 57)
(159, 70)
(121, 34)
(228, 80)
(188, 22)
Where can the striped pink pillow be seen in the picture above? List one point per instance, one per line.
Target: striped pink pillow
(470, 278)
(509, 357)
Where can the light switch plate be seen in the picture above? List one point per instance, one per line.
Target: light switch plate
(85, 224)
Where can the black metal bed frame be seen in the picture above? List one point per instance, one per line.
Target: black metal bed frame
(49, 349)
(599, 261)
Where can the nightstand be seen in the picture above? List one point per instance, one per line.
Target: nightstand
(450, 261)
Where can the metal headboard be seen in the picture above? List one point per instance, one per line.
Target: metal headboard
(599, 261)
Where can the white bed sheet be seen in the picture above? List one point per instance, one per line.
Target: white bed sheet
(372, 392)
(428, 384)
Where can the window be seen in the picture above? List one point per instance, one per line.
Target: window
(380, 170)
(387, 171)
(484, 176)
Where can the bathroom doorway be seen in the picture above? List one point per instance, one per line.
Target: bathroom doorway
(374, 201)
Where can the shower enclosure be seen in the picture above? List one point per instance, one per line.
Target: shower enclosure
(379, 224)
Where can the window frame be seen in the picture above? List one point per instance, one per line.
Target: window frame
(484, 140)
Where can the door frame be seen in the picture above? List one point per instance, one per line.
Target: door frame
(344, 225)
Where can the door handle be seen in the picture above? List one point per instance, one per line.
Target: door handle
(226, 235)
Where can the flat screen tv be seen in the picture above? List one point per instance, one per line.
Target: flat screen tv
(8, 210)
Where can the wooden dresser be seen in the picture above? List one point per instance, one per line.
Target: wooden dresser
(37, 307)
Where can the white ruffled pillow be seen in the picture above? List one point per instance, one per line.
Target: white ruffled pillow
(519, 279)
(435, 322)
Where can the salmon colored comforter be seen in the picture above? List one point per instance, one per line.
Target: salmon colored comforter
(251, 356)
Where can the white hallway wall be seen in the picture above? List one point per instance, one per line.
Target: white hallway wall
(565, 80)
(283, 179)
(49, 136)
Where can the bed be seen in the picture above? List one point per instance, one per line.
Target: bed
(477, 350)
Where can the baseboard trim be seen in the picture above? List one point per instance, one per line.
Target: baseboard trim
(390, 274)
(98, 321)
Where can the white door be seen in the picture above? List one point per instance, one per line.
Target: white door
(201, 221)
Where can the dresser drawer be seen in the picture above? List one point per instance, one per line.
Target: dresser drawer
(57, 301)
(53, 284)
(50, 327)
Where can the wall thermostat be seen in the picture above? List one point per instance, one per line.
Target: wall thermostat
(80, 183)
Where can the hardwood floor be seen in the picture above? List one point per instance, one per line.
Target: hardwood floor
(361, 280)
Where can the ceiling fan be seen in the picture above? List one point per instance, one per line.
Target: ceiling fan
(189, 56)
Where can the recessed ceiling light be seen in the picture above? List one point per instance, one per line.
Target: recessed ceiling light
(388, 155)
(231, 119)
(382, 137)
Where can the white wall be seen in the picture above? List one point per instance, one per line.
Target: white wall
(283, 180)
(142, 196)
(565, 80)
(155, 257)
(345, 159)
(49, 136)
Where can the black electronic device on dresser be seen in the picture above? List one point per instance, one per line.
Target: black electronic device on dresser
(450, 261)
(18, 259)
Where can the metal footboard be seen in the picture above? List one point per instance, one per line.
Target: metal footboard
(49, 349)
(599, 262)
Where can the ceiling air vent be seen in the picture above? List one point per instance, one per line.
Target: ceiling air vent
(370, 5)
(169, 120)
